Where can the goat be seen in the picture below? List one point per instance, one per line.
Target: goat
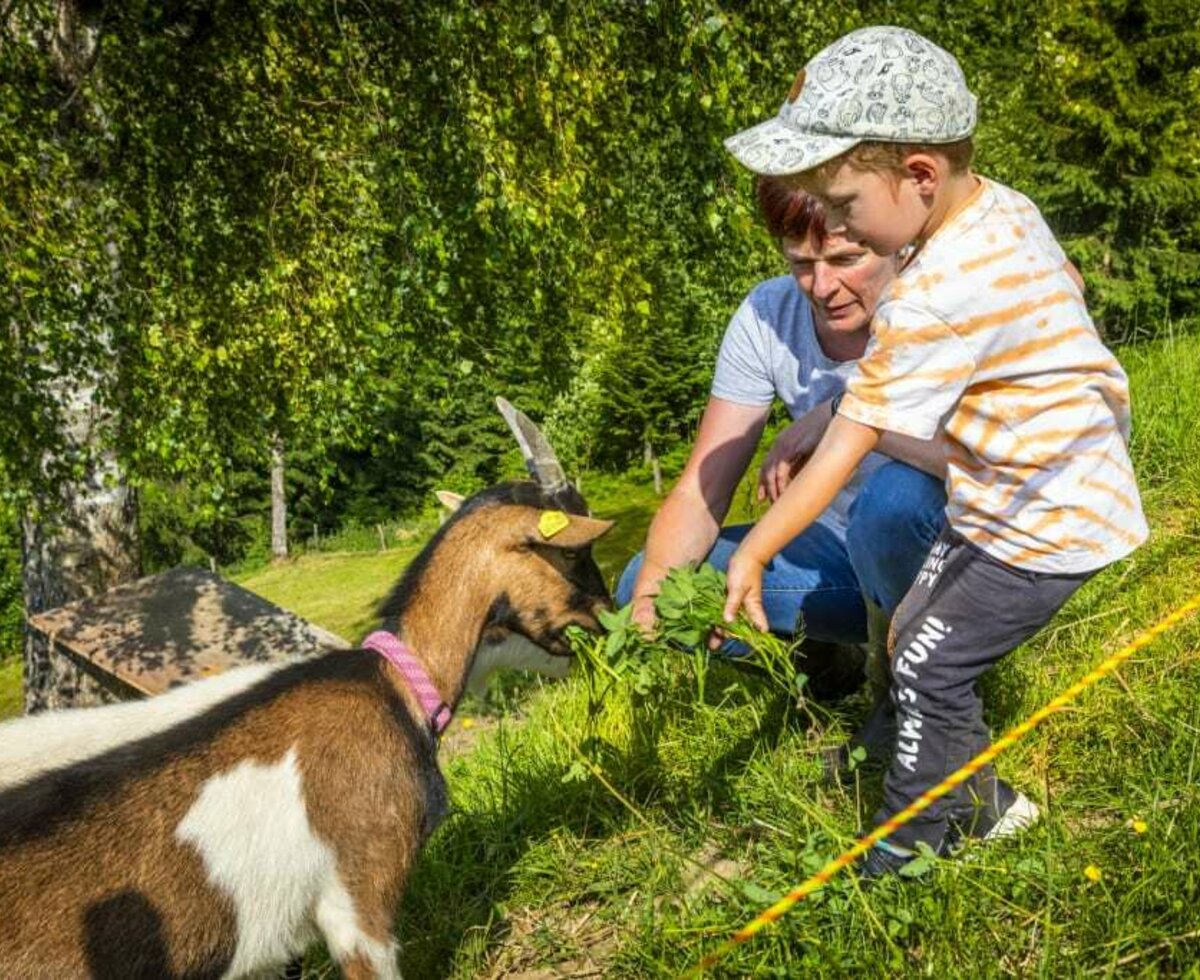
(219, 829)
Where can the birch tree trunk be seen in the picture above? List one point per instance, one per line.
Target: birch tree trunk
(279, 542)
(80, 538)
(87, 547)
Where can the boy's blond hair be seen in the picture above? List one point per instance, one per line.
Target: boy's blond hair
(876, 156)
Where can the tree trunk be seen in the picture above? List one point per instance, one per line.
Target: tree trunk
(651, 458)
(80, 538)
(85, 544)
(279, 543)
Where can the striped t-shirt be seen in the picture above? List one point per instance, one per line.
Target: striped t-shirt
(985, 334)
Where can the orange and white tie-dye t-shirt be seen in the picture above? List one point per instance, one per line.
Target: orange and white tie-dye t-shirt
(985, 334)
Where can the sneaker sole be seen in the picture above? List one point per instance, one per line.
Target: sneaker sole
(1022, 815)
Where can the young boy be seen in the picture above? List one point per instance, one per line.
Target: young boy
(985, 330)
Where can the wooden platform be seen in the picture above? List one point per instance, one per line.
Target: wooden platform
(173, 628)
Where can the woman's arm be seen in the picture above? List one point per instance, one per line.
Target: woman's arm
(686, 526)
(845, 445)
(927, 455)
(793, 446)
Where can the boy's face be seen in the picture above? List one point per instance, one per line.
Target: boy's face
(878, 210)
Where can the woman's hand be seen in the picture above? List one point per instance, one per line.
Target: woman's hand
(790, 450)
(644, 614)
(743, 588)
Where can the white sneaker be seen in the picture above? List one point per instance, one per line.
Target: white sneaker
(1021, 814)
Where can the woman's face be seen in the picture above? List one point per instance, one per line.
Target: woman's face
(843, 280)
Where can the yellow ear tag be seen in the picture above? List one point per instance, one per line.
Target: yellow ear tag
(551, 522)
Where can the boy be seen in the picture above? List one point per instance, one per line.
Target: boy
(985, 332)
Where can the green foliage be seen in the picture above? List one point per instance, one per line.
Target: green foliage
(188, 524)
(252, 256)
(632, 839)
(11, 619)
(655, 670)
(1115, 159)
(689, 605)
(352, 225)
(52, 249)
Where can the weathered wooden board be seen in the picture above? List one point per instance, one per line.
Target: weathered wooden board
(173, 628)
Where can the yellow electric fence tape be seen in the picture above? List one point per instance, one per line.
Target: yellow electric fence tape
(941, 789)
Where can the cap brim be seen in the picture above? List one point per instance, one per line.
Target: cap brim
(775, 149)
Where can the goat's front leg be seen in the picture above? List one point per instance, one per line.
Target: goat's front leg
(358, 934)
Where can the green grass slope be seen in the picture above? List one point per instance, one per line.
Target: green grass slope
(336, 590)
(12, 701)
(629, 840)
(701, 814)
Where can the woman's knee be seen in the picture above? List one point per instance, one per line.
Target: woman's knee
(625, 584)
(897, 500)
(894, 521)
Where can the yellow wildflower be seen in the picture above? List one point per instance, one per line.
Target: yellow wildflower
(1092, 873)
(1139, 825)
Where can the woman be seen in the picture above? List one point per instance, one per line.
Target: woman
(795, 338)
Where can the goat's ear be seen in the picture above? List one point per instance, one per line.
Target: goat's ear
(561, 530)
(449, 499)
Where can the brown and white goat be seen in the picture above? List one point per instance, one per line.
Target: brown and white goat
(219, 829)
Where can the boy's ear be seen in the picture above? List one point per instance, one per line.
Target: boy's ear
(561, 530)
(927, 170)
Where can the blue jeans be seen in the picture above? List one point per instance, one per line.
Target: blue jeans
(896, 517)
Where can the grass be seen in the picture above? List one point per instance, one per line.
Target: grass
(12, 701)
(701, 814)
(338, 591)
(697, 815)
(534, 872)
(694, 815)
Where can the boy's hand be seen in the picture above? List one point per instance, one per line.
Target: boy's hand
(743, 588)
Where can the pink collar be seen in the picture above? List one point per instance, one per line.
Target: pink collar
(401, 656)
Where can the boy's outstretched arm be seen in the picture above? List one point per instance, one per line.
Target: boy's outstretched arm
(844, 445)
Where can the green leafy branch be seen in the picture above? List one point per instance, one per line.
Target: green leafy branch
(690, 607)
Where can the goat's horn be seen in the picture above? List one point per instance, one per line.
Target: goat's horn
(540, 460)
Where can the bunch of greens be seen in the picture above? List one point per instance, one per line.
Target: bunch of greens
(690, 607)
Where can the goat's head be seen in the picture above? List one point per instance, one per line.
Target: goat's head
(516, 561)
(525, 549)
(556, 551)
(538, 543)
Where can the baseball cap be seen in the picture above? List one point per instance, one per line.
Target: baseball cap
(877, 83)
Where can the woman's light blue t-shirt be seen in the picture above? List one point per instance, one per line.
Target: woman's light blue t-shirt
(770, 351)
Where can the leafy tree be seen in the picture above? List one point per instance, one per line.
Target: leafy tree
(1115, 88)
(349, 226)
(78, 520)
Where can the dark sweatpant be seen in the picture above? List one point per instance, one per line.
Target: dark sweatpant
(963, 613)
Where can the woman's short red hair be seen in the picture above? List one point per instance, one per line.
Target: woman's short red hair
(790, 211)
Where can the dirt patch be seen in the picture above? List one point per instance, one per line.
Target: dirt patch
(553, 943)
(709, 868)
